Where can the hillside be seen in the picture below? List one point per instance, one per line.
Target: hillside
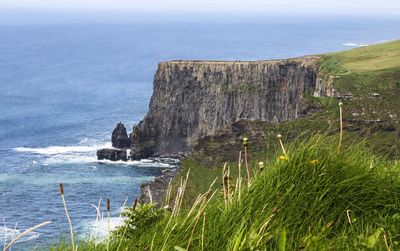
(371, 114)
(315, 197)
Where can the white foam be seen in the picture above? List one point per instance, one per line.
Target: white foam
(52, 150)
(98, 229)
(85, 154)
(355, 44)
(92, 159)
(137, 163)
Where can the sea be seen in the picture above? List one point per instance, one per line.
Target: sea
(63, 88)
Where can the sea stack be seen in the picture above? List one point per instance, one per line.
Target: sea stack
(119, 138)
(120, 143)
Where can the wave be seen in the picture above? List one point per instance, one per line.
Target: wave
(92, 159)
(98, 229)
(52, 150)
(355, 44)
(86, 154)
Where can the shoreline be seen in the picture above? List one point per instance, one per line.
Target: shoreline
(154, 191)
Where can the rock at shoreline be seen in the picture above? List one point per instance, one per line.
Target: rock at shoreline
(119, 138)
(112, 154)
(121, 143)
(156, 189)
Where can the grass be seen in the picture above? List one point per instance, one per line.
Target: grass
(371, 58)
(367, 69)
(317, 199)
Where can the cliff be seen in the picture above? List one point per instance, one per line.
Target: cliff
(193, 99)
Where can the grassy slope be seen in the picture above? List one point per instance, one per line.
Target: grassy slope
(318, 199)
(361, 72)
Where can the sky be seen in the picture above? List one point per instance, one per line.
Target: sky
(21, 12)
(391, 7)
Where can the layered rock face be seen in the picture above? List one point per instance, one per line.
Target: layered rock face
(192, 99)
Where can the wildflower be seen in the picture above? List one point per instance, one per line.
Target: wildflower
(283, 157)
(261, 165)
(245, 141)
(314, 162)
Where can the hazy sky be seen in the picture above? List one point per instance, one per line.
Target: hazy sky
(268, 6)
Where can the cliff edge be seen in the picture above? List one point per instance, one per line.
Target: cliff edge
(193, 99)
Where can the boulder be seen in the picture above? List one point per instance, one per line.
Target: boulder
(112, 154)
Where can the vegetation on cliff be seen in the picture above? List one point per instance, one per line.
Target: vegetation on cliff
(315, 198)
(366, 80)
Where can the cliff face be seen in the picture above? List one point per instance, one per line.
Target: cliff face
(192, 99)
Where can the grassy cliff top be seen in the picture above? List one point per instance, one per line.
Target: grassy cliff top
(370, 58)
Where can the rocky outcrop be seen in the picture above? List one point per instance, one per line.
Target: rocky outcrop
(121, 144)
(112, 154)
(193, 99)
(119, 137)
(154, 191)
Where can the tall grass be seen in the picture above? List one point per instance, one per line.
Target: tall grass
(68, 217)
(318, 199)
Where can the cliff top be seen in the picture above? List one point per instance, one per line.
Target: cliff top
(305, 60)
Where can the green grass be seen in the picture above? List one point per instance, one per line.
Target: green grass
(366, 59)
(367, 69)
(319, 199)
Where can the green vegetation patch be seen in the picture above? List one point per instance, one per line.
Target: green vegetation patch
(317, 198)
(366, 59)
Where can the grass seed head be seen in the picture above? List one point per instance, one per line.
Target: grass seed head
(61, 188)
(108, 205)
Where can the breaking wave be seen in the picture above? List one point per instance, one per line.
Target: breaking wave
(86, 154)
(98, 229)
(52, 150)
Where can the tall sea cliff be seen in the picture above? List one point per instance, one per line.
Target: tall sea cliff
(194, 99)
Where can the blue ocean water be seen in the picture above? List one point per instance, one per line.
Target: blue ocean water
(64, 87)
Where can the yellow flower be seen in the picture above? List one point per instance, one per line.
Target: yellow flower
(314, 162)
(283, 157)
(245, 141)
